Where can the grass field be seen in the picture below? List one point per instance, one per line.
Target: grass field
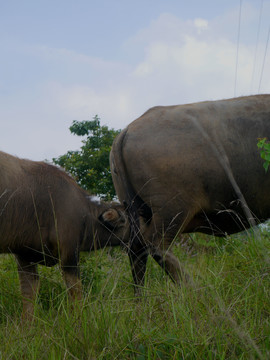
(223, 313)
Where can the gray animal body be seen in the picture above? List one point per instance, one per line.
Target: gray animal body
(46, 218)
(191, 168)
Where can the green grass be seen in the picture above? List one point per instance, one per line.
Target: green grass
(223, 313)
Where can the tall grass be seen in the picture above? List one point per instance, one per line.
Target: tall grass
(223, 313)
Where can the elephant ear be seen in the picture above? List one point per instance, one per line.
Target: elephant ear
(110, 218)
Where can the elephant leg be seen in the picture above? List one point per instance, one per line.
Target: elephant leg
(29, 282)
(170, 263)
(138, 256)
(163, 235)
(137, 250)
(71, 274)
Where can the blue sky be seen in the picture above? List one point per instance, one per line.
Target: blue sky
(66, 60)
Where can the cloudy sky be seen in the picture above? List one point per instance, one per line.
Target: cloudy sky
(63, 60)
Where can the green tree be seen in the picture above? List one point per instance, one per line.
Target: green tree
(264, 146)
(90, 165)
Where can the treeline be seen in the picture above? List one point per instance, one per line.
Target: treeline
(90, 165)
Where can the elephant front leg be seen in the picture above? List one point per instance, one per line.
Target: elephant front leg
(29, 282)
(73, 284)
(71, 274)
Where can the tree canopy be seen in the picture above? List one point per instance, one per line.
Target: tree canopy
(90, 165)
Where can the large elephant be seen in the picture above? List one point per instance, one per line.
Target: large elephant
(191, 168)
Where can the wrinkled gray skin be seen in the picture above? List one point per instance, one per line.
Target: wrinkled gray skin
(45, 218)
(191, 168)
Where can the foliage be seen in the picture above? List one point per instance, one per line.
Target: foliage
(223, 313)
(264, 145)
(90, 165)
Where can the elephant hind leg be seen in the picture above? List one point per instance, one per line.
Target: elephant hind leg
(138, 258)
(161, 235)
(170, 263)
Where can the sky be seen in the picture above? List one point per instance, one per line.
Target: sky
(65, 60)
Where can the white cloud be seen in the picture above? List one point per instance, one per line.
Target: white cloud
(171, 61)
(84, 102)
(201, 24)
(196, 58)
(182, 61)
